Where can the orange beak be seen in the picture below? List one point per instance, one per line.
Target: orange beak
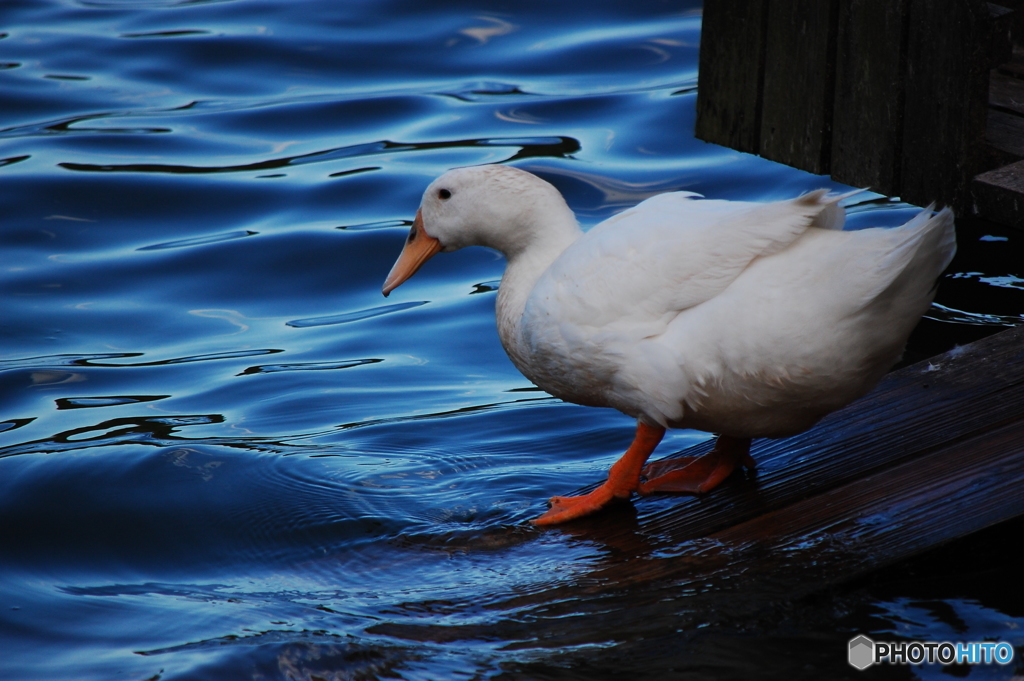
(419, 248)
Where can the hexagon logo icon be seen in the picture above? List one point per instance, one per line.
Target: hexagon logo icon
(862, 652)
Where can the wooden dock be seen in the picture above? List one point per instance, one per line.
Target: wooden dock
(933, 454)
(921, 99)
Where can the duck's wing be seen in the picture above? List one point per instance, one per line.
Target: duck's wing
(667, 254)
(629, 277)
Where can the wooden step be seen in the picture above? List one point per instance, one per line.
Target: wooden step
(998, 194)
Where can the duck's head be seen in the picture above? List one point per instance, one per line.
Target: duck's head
(497, 206)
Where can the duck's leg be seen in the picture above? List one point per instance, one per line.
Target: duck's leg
(623, 480)
(695, 475)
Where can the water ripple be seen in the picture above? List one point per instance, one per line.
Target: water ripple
(199, 241)
(64, 127)
(308, 366)
(12, 160)
(944, 313)
(150, 4)
(12, 424)
(128, 430)
(179, 33)
(486, 286)
(48, 361)
(107, 401)
(294, 655)
(383, 224)
(484, 90)
(529, 147)
(97, 360)
(355, 316)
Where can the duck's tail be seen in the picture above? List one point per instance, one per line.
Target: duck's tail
(932, 238)
(922, 250)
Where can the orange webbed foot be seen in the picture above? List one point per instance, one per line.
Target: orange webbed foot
(564, 509)
(696, 475)
(623, 480)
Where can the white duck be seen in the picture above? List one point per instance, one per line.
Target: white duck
(744, 319)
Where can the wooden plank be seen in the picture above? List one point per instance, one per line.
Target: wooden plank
(731, 72)
(1003, 19)
(799, 80)
(948, 58)
(1006, 92)
(867, 122)
(1004, 139)
(999, 194)
(958, 489)
(749, 569)
(1015, 65)
(1004, 128)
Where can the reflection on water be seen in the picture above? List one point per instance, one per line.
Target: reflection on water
(224, 455)
(537, 147)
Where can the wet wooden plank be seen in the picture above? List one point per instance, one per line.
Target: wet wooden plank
(843, 533)
(747, 570)
(731, 72)
(1015, 65)
(999, 194)
(1006, 92)
(868, 110)
(960, 488)
(996, 194)
(1004, 139)
(1003, 19)
(799, 82)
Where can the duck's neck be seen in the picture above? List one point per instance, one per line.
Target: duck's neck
(523, 270)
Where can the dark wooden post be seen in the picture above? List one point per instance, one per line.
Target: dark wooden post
(889, 95)
(732, 72)
(867, 130)
(948, 62)
(799, 77)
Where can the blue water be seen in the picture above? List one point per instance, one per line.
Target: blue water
(223, 455)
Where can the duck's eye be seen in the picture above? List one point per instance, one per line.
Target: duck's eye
(444, 194)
